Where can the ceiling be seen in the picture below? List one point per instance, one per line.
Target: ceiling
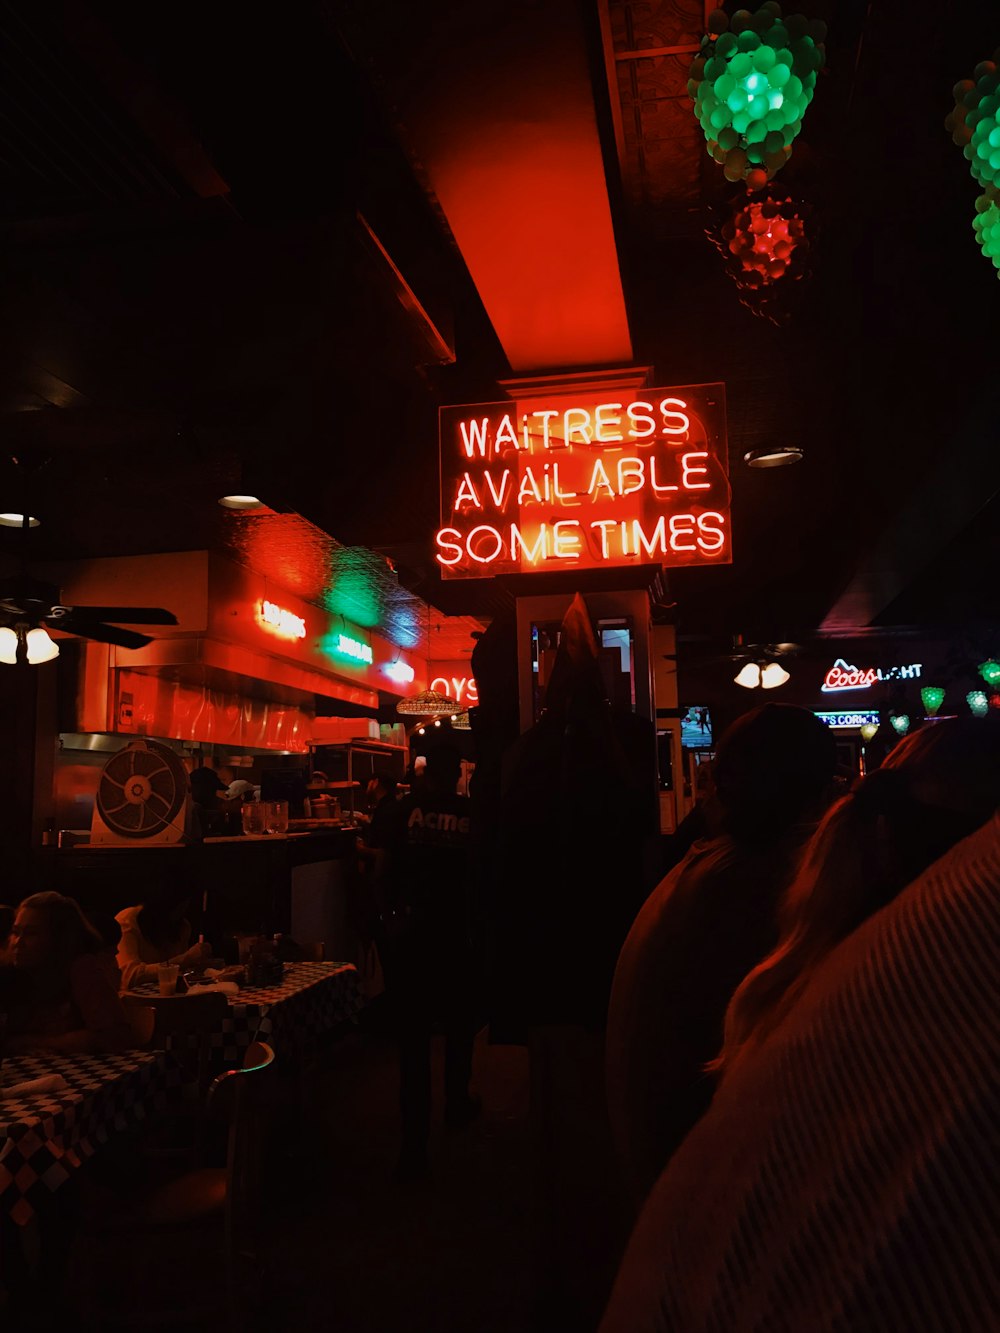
(241, 247)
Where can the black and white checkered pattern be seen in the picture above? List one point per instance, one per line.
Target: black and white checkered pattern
(312, 999)
(45, 1136)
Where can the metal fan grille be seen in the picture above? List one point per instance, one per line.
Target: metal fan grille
(141, 790)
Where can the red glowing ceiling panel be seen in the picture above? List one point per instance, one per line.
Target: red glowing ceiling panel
(502, 120)
(585, 481)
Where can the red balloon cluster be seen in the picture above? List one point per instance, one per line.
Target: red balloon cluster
(765, 245)
(768, 240)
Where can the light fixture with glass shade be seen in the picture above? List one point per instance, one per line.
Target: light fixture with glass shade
(28, 645)
(978, 703)
(900, 723)
(772, 676)
(932, 697)
(17, 521)
(868, 730)
(429, 703)
(40, 647)
(990, 672)
(775, 455)
(749, 676)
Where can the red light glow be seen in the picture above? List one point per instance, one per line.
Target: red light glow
(284, 623)
(763, 238)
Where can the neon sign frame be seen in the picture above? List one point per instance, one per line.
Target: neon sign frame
(573, 482)
(842, 676)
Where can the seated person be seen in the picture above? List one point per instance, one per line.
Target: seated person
(71, 1004)
(7, 915)
(157, 932)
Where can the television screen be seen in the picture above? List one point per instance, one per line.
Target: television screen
(696, 729)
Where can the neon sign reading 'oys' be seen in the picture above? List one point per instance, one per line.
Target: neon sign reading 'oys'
(585, 483)
(841, 676)
(280, 621)
(460, 688)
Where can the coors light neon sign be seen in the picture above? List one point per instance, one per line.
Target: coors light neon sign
(841, 676)
(585, 482)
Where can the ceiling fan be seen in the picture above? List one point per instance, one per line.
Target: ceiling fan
(29, 607)
(743, 650)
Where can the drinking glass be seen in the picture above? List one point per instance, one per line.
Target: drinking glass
(275, 816)
(252, 814)
(167, 977)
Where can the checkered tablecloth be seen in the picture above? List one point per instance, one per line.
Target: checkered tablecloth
(46, 1135)
(313, 998)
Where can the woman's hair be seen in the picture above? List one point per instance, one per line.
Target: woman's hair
(70, 932)
(936, 787)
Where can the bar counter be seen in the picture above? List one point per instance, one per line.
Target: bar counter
(292, 883)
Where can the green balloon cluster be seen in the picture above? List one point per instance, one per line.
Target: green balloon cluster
(751, 84)
(973, 123)
(987, 225)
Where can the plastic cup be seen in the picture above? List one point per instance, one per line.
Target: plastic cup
(167, 974)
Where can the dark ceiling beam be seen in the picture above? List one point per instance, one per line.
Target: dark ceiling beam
(157, 115)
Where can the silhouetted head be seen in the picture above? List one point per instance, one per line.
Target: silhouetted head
(937, 786)
(773, 768)
(444, 768)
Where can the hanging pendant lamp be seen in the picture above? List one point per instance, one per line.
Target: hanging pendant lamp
(429, 703)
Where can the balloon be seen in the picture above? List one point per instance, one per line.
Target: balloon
(753, 80)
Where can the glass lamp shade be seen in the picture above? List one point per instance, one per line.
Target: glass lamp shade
(748, 676)
(8, 646)
(249, 504)
(429, 703)
(976, 699)
(460, 722)
(772, 676)
(40, 647)
(868, 731)
(990, 672)
(932, 697)
(900, 723)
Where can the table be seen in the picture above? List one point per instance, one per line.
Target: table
(313, 998)
(45, 1136)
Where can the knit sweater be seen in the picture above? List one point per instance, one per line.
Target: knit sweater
(847, 1174)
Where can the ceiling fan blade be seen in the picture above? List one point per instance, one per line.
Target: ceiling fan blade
(93, 629)
(126, 615)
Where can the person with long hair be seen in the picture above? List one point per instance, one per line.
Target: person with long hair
(72, 1004)
(845, 1175)
(937, 786)
(710, 920)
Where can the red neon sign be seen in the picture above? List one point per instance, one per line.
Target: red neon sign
(585, 484)
(460, 688)
(842, 676)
